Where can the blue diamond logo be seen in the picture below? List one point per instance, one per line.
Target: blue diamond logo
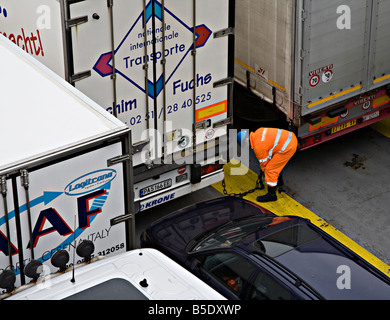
(132, 54)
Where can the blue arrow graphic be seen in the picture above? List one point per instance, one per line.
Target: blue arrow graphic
(49, 196)
(46, 198)
(97, 204)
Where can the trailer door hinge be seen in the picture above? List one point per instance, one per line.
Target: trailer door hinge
(118, 159)
(223, 82)
(80, 76)
(75, 21)
(302, 54)
(139, 146)
(69, 2)
(3, 185)
(304, 15)
(224, 32)
(24, 179)
(222, 123)
(122, 218)
(204, 124)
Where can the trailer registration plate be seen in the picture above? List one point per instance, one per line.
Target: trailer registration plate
(155, 187)
(371, 116)
(344, 126)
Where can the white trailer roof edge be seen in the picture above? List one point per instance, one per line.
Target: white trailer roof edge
(17, 105)
(44, 157)
(49, 73)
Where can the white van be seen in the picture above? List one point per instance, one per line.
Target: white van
(141, 274)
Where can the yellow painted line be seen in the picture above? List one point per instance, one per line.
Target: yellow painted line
(244, 65)
(382, 78)
(253, 70)
(382, 127)
(277, 85)
(339, 94)
(285, 205)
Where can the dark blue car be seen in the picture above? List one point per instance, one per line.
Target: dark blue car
(246, 252)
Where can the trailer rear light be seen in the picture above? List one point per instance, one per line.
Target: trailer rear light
(317, 138)
(301, 142)
(309, 141)
(209, 168)
(182, 177)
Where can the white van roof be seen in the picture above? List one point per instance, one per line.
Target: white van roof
(41, 113)
(141, 274)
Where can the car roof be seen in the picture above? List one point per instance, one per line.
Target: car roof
(134, 275)
(178, 234)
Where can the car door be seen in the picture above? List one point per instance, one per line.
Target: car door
(226, 271)
(265, 287)
(237, 277)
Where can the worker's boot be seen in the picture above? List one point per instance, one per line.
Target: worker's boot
(270, 196)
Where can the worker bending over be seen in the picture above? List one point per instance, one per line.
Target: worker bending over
(273, 148)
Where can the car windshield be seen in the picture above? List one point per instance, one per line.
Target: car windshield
(234, 231)
(285, 240)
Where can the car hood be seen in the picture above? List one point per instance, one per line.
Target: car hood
(174, 232)
(335, 274)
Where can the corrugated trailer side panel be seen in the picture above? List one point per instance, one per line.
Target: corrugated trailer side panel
(345, 67)
(335, 59)
(263, 49)
(380, 45)
(325, 64)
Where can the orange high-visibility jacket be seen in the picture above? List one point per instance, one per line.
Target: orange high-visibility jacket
(273, 148)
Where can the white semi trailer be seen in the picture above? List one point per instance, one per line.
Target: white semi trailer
(164, 68)
(63, 179)
(324, 64)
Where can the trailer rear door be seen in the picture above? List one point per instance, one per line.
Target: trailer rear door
(379, 71)
(36, 27)
(335, 60)
(156, 63)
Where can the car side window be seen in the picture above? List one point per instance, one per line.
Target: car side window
(229, 269)
(266, 288)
